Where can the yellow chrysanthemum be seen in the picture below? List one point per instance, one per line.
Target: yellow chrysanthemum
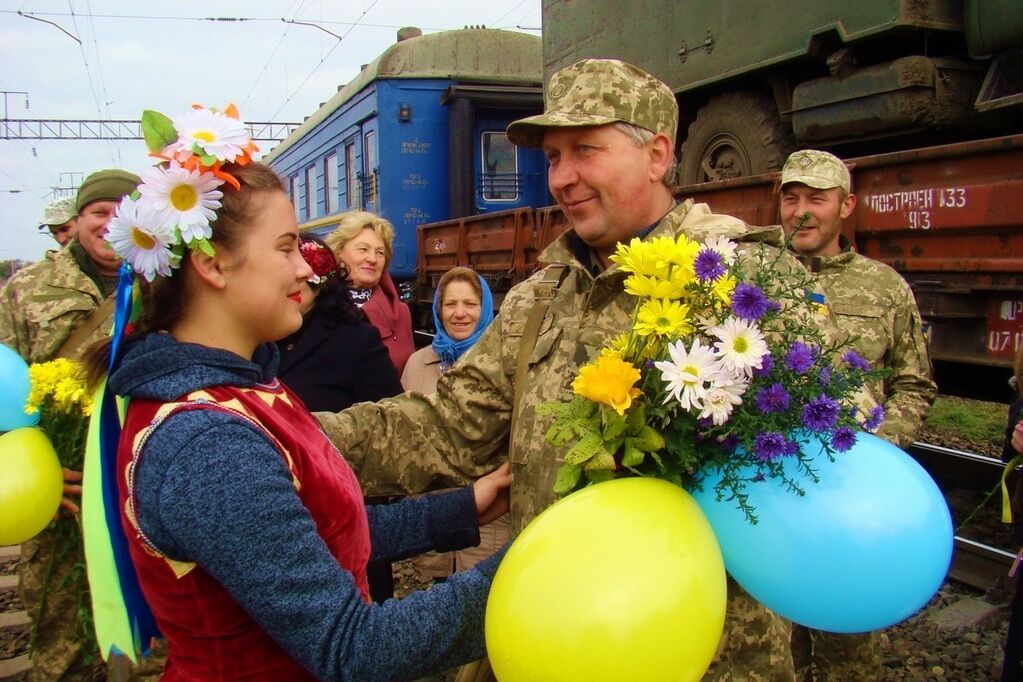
(63, 382)
(644, 286)
(617, 347)
(723, 288)
(663, 318)
(639, 257)
(610, 381)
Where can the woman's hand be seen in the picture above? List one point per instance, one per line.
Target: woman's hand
(73, 486)
(1017, 440)
(492, 493)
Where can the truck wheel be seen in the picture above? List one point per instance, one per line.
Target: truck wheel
(734, 135)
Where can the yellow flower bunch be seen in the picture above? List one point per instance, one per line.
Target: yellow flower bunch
(63, 382)
(608, 380)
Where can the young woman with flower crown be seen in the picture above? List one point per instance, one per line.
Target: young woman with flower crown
(246, 527)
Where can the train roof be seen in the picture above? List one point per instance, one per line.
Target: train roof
(480, 55)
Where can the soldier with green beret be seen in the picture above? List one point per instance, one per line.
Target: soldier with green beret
(872, 303)
(608, 132)
(56, 308)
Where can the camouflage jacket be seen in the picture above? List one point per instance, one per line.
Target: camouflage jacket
(872, 302)
(43, 303)
(414, 442)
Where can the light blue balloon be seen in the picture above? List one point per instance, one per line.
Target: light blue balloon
(14, 388)
(865, 548)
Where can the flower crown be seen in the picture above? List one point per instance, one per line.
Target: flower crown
(320, 259)
(178, 199)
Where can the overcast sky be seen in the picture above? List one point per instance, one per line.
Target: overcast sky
(164, 56)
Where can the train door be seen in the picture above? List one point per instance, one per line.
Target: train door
(506, 176)
(370, 173)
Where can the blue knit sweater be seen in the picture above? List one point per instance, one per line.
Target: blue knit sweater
(198, 464)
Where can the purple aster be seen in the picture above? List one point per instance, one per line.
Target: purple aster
(770, 445)
(825, 375)
(843, 439)
(875, 418)
(749, 302)
(709, 265)
(773, 306)
(774, 398)
(729, 442)
(791, 447)
(800, 358)
(820, 413)
(766, 365)
(856, 361)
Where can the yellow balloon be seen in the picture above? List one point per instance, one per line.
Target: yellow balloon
(31, 484)
(620, 581)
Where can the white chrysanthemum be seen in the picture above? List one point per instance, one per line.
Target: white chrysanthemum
(688, 373)
(740, 345)
(139, 236)
(188, 199)
(724, 394)
(217, 135)
(724, 246)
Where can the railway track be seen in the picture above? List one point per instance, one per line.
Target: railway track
(975, 562)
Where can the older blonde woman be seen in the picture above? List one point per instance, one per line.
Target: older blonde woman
(362, 241)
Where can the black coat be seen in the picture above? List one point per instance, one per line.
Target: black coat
(332, 364)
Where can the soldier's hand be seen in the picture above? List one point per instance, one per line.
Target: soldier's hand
(1017, 437)
(492, 493)
(72, 486)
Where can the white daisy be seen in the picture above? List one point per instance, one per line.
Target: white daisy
(188, 199)
(139, 236)
(724, 246)
(724, 394)
(688, 373)
(740, 345)
(217, 135)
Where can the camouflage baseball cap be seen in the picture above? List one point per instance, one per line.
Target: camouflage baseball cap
(595, 92)
(816, 169)
(58, 212)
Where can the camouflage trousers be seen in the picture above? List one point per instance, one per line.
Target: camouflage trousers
(755, 645)
(47, 568)
(832, 657)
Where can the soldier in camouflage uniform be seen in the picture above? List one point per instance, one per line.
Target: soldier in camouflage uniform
(608, 134)
(869, 301)
(41, 306)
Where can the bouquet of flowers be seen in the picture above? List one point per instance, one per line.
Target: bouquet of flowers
(60, 396)
(727, 364)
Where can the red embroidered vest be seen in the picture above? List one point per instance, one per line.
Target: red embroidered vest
(208, 635)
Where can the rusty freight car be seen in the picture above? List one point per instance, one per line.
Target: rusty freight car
(949, 218)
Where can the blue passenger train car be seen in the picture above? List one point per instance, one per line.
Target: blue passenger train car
(418, 136)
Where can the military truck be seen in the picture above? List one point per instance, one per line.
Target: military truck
(756, 79)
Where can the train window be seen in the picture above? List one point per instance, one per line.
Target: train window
(369, 150)
(310, 192)
(293, 191)
(330, 183)
(498, 177)
(351, 176)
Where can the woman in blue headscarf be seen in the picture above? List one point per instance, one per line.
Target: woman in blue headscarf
(462, 309)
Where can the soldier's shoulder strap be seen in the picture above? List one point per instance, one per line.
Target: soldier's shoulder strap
(102, 314)
(544, 292)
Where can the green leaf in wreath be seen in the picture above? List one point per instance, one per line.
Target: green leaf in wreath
(158, 131)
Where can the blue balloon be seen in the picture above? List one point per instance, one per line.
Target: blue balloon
(863, 549)
(14, 388)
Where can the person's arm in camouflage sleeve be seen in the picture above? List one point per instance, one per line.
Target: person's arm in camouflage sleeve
(909, 389)
(413, 442)
(13, 329)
